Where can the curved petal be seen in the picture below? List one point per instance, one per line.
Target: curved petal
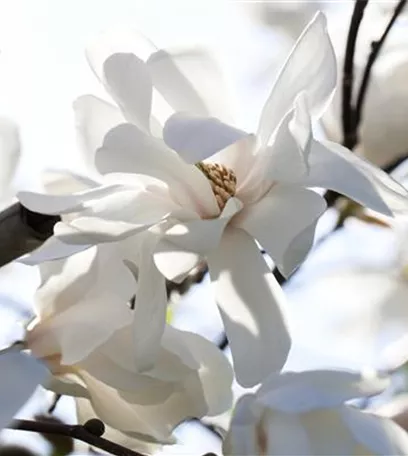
(278, 220)
(197, 138)
(134, 151)
(149, 318)
(129, 82)
(96, 230)
(86, 412)
(63, 204)
(94, 118)
(299, 392)
(286, 159)
(334, 167)
(250, 302)
(52, 249)
(310, 67)
(380, 435)
(77, 316)
(10, 152)
(20, 375)
(183, 245)
(149, 422)
(215, 372)
(190, 81)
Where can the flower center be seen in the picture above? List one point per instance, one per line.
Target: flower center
(222, 180)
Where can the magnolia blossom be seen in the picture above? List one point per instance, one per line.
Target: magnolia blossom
(196, 187)
(307, 413)
(383, 134)
(84, 336)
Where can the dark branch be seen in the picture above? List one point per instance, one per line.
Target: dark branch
(348, 113)
(87, 433)
(375, 51)
(22, 231)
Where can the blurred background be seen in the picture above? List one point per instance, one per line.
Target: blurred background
(339, 301)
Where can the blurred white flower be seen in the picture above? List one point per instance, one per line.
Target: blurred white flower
(383, 132)
(306, 413)
(223, 190)
(9, 155)
(84, 335)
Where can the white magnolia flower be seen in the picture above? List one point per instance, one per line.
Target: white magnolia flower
(306, 413)
(223, 190)
(84, 335)
(383, 133)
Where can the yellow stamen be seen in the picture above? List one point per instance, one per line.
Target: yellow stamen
(222, 180)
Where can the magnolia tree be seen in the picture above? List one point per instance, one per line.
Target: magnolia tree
(174, 186)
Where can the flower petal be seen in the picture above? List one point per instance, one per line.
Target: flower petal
(20, 375)
(215, 372)
(299, 392)
(278, 220)
(334, 167)
(94, 118)
(197, 138)
(80, 317)
(9, 152)
(137, 152)
(378, 434)
(250, 302)
(183, 245)
(190, 81)
(130, 84)
(311, 67)
(52, 249)
(149, 318)
(63, 204)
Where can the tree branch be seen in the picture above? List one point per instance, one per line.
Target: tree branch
(375, 50)
(90, 433)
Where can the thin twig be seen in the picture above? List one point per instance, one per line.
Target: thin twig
(375, 50)
(78, 432)
(348, 113)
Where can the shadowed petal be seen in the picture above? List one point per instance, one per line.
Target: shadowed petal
(250, 302)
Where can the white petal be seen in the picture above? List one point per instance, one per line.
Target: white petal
(380, 435)
(304, 391)
(95, 230)
(182, 246)
(80, 317)
(94, 118)
(52, 249)
(215, 372)
(197, 138)
(115, 41)
(129, 82)
(278, 220)
(85, 412)
(133, 151)
(62, 204)
(334, 167)
(250, 301)
(149, 317)
(9, 152)
(153, 421)
(191, 82)
(20, 375)
(311, 67)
